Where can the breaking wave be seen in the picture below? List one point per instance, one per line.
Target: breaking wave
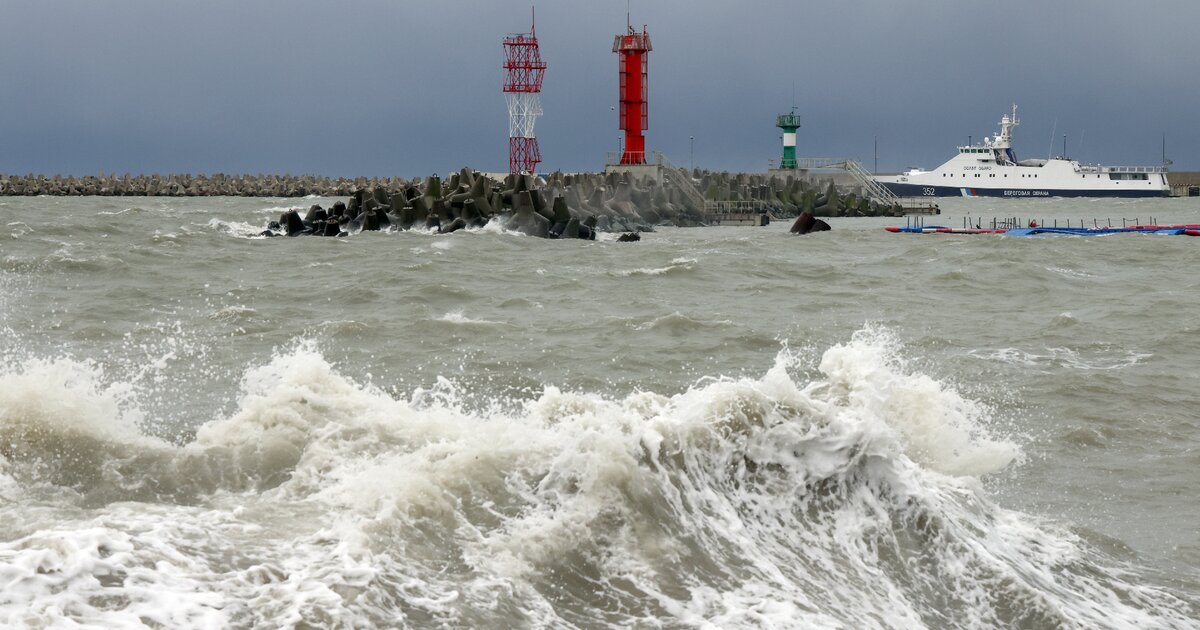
(848, 499)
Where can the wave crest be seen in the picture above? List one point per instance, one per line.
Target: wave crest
(845, 498)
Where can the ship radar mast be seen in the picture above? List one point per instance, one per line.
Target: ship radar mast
(1001, 145)
(1003, 139)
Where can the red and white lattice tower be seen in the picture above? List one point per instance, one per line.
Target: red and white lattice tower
(633, 48)
(524, 70)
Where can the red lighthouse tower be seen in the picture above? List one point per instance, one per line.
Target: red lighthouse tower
(632, 48)
(524, 70)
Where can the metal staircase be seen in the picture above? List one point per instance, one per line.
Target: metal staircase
(678, 180)
(876, 191)
(882, 195)
(714, 211)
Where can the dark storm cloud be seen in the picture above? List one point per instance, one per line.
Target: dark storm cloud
(396, 87)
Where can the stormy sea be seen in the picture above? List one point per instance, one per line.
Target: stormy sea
(726, 427)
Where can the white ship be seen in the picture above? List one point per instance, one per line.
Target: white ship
(991, 169)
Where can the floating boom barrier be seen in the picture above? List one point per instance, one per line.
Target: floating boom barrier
(1013, 226)
(1191, 229)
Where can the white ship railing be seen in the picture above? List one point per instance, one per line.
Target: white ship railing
(804, 164)
(1123, 169)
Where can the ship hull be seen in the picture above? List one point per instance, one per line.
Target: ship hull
(917, 190)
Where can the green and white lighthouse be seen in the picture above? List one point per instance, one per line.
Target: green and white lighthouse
(789, 123)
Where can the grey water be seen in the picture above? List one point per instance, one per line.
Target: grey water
(712, 427)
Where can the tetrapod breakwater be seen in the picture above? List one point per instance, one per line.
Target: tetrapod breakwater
(616, 201)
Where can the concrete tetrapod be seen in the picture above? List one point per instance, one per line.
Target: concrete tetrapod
(806, 223)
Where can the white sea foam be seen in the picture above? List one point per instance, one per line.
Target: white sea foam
(239, 229)
(849, 500)
(233, 313)
(69, 397)
(457, 317)
(677, 320)
(1103, 359)
(940, 428)
(278, 210)
(20, 228)
(1070, 273)
(675, 265)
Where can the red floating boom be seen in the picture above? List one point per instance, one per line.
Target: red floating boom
(524, 70)
(632, 47)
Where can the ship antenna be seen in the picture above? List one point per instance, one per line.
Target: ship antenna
(1053, 130)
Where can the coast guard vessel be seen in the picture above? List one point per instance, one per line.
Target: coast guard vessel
(991, 169)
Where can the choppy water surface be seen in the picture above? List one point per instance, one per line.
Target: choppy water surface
(725, 426)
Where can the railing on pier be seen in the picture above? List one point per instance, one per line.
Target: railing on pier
(810, 164)
(734, 207)
(626, 158)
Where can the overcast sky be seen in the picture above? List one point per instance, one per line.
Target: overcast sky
(400, 87)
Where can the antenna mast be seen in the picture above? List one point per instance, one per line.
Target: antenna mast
(524, 70)
(1053, 130)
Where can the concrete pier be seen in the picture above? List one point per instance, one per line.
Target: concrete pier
(1184, 184)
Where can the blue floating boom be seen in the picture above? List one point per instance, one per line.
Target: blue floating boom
(1168, 230)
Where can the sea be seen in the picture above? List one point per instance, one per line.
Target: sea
(721, 427)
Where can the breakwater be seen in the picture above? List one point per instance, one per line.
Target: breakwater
(616, 201)
(567, 206)
(186, 185)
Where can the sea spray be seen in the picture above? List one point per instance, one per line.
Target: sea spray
(940, 429)
(848, 500)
